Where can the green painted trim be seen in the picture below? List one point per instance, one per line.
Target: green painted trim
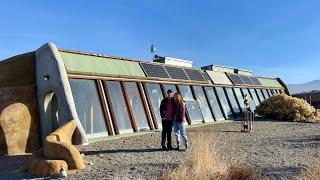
(100, 65)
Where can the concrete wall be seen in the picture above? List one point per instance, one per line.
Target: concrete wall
(19, 121)
(52, 81)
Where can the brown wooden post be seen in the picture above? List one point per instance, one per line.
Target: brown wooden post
(127, 100)
(113, 116)
(207, 98)
(104, 107)
(145, 105)
(220, 104)
(195, 97)
(150, 105)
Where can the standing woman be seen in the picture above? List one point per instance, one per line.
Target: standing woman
(179, 121)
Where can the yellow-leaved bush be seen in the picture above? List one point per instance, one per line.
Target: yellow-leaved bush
(284, 107)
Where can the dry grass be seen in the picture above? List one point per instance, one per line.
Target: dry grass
(206, 164)
(312, 172)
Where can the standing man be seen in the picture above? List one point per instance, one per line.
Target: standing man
(167, 114)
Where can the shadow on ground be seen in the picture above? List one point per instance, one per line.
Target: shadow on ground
(121, 151)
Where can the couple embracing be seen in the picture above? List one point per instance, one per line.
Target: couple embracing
(173, 114)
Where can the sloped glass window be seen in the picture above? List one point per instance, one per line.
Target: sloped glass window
(119, 106)
(270, 92)
(240, 98)
(260, 94)
(202, 101)
(137, 105)
(88, 105)
(186, 93)
(224, 102)
(156, 97)
(233, 101)
(265, 93)
(254, 96)
(214, 103)
(172, 87)
(193, 111)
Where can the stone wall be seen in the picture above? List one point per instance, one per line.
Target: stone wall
(19, 121)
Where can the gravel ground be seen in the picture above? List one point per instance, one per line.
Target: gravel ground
(280, 150)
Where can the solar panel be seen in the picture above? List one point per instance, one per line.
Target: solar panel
(194, 74)
(235, 79)
(246, 79)
(154, 70)
(176, 73)
(255, 81)
(206, 76)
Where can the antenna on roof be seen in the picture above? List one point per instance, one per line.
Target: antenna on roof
(153, 51)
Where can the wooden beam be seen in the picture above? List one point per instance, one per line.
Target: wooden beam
(145, 105)
(104, 107)
(113, 116)
(133, 120)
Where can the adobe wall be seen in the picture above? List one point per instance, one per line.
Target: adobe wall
(19, 121)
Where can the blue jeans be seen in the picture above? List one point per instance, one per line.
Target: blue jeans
(180, 130)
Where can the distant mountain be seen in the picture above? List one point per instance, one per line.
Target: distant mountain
(304, 87)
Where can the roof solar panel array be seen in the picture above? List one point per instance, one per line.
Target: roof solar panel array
(154, 70)
(236, 79)
(194, 75)
(246, 80)
(206, 76)
(255, 81)
(176, 73)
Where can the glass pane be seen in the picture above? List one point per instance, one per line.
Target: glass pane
(240, 98)
(136, 105)
(260, 94)
(172, 87)
(204, 106)
(265, 93)
(214, 103)
(186, 93)
(254, 97)
(119, 106)
(156, 97)
(88, 105)
(233, 100)
(194, 111)
(269, 91)
(224, 102)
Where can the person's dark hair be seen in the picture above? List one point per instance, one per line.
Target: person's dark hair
(169, 91)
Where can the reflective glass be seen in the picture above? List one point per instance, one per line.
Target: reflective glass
(137, 105)
(119, 106)
(202, 101)
(88, 105)
(156, 97)
(233, 100)
(240, 98)
(224, 102)
(193, 111)
(186, 93)
(260, 94)
(254, 96)
(214, 103)
(265, 93)
(172, 87)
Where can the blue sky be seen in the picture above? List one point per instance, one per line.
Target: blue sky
(272, 38)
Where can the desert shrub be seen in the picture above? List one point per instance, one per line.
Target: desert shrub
(206, 164)
(285, 107)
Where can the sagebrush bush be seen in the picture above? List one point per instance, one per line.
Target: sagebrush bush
(284, 107)
(205, 164)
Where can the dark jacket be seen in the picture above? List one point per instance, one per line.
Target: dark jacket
(180, 112)
(163, 106)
